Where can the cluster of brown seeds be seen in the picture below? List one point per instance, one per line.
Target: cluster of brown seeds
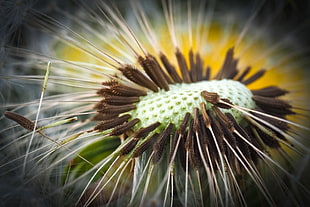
(205, 138)
(206, 128)
(204, 134)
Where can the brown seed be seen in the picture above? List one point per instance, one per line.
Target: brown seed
(111, 109)
(208, 72)
(223, 105)
(145, 145)
(159, 145)
(223, 118)
(120, 90)
(110, 83)
(275, 122)
(108, 124)
(183, 66)
(203, 133)
(192, 66)
(161, 71)
(191, 147)
(175, 138)
(243, 146)
(267, 139)
(205, 116)
(196, 120)
(254, 77)
(181, 151)
(274, 106)
(154, 71)
(170, 68)
(183, 125)
(189, 136)
(271, 91)
(229, 67)
(244, 73)
(218, 132)
(138, 77)
(256, 142)
(103, 116)
(129, 146)
(210, 97)
(120, 100)
(121, 129)
(199, 68)
(143, 132)
(21, 120)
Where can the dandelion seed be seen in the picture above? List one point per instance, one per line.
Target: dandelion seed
(171, 110)
(21, 120)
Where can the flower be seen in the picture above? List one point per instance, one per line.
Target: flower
(161, 104)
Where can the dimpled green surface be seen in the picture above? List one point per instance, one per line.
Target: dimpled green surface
(171, 106)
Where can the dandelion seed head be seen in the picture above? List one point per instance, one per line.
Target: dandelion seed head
(174, 104)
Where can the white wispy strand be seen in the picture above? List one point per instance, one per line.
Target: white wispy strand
(37, 116)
